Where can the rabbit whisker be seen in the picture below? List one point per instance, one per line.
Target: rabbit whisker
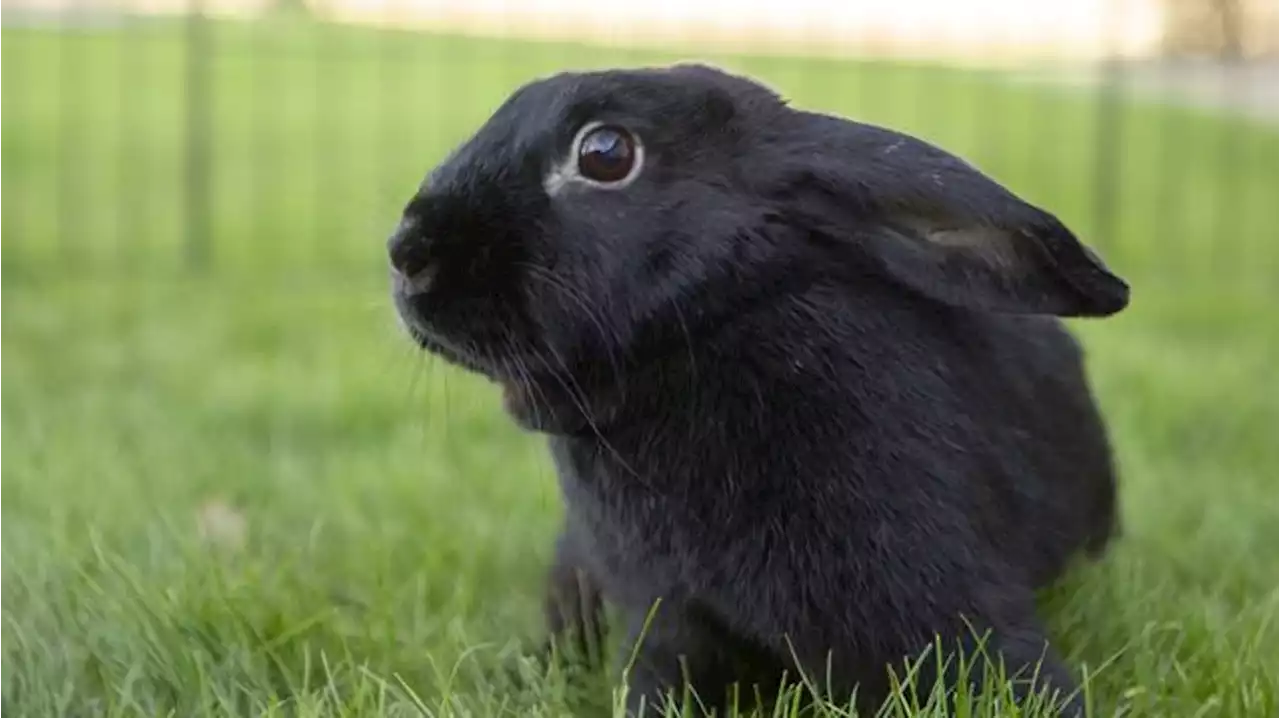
(523, 379)
(580, 402)
(610, 339)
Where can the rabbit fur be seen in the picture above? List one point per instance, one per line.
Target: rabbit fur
(804, 380)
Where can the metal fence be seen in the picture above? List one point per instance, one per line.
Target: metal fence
(200, 351)
(134, 141)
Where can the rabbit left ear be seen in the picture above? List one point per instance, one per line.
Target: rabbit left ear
(934, 223)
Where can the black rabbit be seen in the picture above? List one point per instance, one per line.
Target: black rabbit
(801, 377)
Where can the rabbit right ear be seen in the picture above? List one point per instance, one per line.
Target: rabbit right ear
(934, 223)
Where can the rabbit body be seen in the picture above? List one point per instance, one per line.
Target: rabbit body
(800, 497)
(825, 416)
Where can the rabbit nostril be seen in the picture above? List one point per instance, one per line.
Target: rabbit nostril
(410, 254)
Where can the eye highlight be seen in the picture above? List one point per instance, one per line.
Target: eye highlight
(608, 154)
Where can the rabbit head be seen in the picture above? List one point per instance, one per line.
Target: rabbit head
(599, 220)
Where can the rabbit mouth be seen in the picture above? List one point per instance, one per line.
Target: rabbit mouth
(498, 359)
(420, 331)
(537, 394)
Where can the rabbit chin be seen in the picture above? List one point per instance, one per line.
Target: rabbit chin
(549, 405)
(518, 400)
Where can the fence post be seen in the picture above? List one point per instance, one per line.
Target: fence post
(1107, 160)
(197, 208)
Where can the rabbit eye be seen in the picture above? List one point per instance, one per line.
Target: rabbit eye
(608, 154)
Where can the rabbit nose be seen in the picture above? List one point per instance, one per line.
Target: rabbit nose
(410, 254)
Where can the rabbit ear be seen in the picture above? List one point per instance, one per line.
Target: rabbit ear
(936, 224)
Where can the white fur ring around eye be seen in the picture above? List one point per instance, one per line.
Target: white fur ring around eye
(604, 156)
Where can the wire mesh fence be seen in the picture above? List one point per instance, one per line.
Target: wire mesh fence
(200, 349)
(142, 138)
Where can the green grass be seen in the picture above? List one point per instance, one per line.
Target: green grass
(396, 524)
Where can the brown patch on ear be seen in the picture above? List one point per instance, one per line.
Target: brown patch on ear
(990, 244)
(994, 268)
(935, 224)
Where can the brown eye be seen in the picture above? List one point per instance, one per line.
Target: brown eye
(607, 154)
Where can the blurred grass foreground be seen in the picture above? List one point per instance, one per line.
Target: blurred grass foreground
(232, 488)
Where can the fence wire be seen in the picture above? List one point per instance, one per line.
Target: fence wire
(287, 138)
(233, 486)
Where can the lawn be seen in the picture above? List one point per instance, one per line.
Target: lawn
(238, 490)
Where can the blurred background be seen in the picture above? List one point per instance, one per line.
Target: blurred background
(278, 133)
(198, 350)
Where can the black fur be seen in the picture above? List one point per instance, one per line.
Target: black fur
(801, 379)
